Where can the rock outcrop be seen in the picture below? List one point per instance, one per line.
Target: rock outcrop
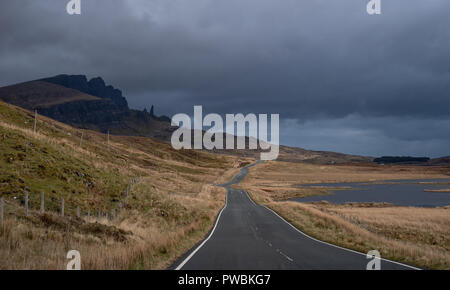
(95, 87)
(88, 104)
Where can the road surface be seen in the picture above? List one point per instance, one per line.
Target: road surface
(248, 236)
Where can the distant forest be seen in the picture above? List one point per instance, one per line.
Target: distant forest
(400, 159)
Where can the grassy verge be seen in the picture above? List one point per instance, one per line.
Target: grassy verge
(150, 234)
(437, 190)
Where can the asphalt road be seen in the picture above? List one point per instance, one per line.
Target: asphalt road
(248, 236)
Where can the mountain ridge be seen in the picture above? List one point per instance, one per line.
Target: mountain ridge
(86, 104)
(94, 105)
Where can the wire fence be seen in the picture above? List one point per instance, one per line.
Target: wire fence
(64, 207)
(79, 213)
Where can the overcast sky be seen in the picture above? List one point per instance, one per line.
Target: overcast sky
(340, 79)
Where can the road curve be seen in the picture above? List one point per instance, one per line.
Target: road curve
(248, 236)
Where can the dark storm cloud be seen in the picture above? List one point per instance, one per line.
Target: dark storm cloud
(371, 135)
(316, 62)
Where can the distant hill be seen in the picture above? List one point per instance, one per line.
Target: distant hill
(440, 161)
(94, 105)
(87, 104)
(296, 154)
(38, 94)
(95, 87)
(413, 160)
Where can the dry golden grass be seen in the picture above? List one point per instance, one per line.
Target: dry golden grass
(283, 180)
(418, 236)
(160, 222)
(304, 173)
(437, 190)
(410, 235)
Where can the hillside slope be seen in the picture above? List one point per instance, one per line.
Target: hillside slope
(38, 94)
(93, 105)
(170, 206)
(442, 160)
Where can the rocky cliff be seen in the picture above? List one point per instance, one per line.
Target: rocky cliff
(88, 104)
(95, 87)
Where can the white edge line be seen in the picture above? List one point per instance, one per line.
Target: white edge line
(249, 197)
(204, 241)
(314, 239)
(215, 225)
(342, 248)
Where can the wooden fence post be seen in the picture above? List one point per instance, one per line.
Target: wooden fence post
(89, 214)
(62, 208)
(81, 140)
(35, 121)
(78, 211)
(2, 206)
(42, 203)
(26, 204)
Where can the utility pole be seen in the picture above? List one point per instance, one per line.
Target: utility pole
(42, 203)
(62, 208)
(26, 203)
(2, 206)
(35, 121)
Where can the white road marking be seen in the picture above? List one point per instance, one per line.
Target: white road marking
(204, 242)
(249, 198)
(319, 241)
(286, 256)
